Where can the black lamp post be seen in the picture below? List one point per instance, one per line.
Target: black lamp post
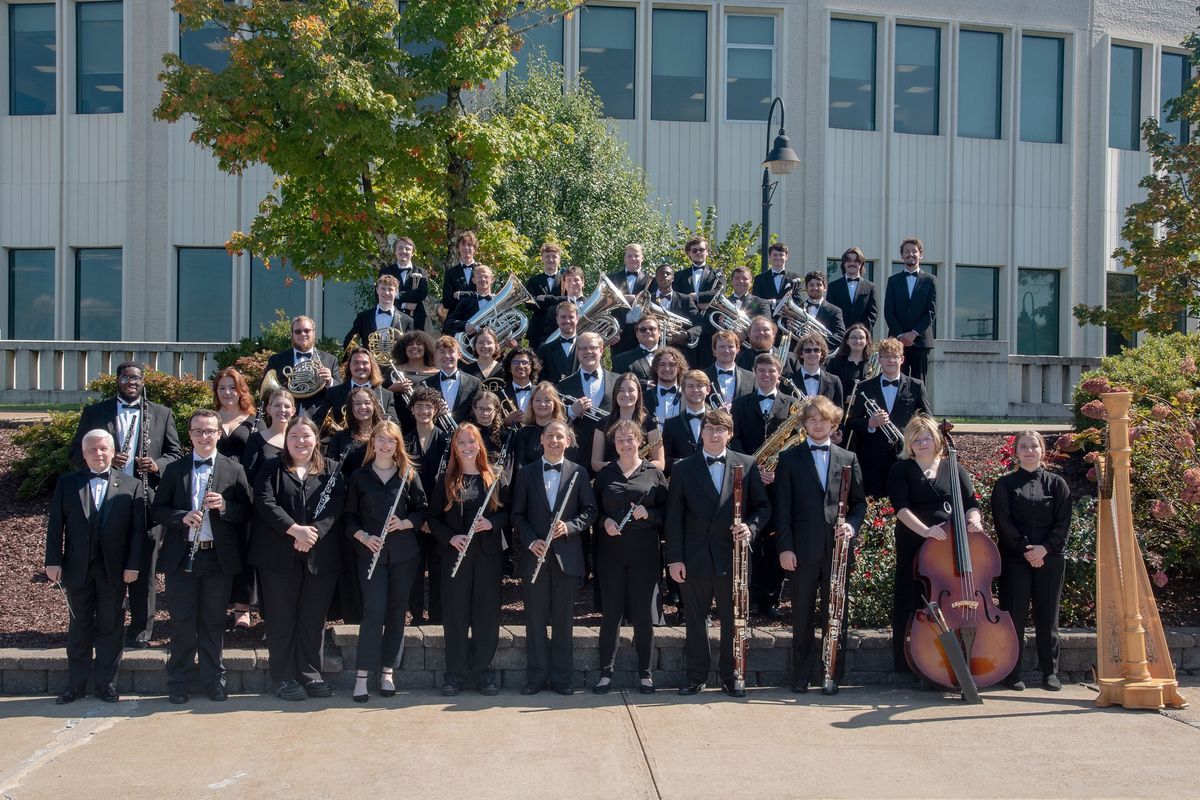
(781, 159)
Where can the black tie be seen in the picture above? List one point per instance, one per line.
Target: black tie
(101, 475)
(851, 280)
(714, 460)
(887, 383)
(665, 392)
(303, 357)
(131, 406)
(206, 462)
(690, 416)
(446, 377)
(815, 447)
(485, 298)
(763, 397)
(808, 377)
(565, 340)
(724, 372)
(589, 376)
(382, 311)
(519, 389)
(547, 467)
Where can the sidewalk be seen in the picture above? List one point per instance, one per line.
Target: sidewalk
(866, 742)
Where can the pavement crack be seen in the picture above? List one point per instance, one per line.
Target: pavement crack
(75, 731)
(637, 730)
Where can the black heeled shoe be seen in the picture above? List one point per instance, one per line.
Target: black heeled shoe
(365, 696)
(390, 676)
(604, 685)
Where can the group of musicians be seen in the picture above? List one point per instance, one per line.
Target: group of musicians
(366, 492)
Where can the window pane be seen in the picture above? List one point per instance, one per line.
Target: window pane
(679, 65)
(273, 288)
(918, 51)
(205, 299)
(1041, 89)
(31, 50)
(337, 309)
(1176, 71)
(1120, 293)
(100, 55)
(852, 75)
(606, 57)
(833, 270)
(98, 295)
(980, 70)
(31, 294)
(1037, 319)
(205, 47)
(757, 29)
(748, 89)
(976, 302)
(545, 42)
(1125, 98)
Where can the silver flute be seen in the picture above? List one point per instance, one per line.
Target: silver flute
(550, 533)
(629, 514)
(471, 530)
(383, 534)
(191, 559)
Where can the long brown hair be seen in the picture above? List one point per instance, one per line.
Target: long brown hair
(392, 430)
(639, 405)
(558, 410)
(362, 431)
(316, 464)
(454, 470)
(245, 398)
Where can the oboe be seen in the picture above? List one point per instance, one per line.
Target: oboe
(326, 492)
(741, 588)
(191, 559)
(383, 534)
(471, 530)
(550, 533)
(837, 590)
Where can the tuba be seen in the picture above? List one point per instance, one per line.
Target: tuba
(725, 316)
(503, 316)
(789, 434)
(595, 313)
(795, 320)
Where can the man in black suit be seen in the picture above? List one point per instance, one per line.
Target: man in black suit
(94, 542)
(545, 288)
(681, 433)
(142, 454)
(899, 398)
(539, 492)
(808, 487)
(304, 349)
(763, 332)
(729, 381)
(632, 281)
(592, 386)
(700, 539)
(413, 283)
(359, 371)
(456, 281)
(638, 359)
(558, 356)
(383, 315)
(775, 282)
(853, 293)
(471, 303)
(523, 368)
(741, 299)
(816, 306)
(910, 308)
(698, 282)
(811, 380)
(457, 388)
(205, 498)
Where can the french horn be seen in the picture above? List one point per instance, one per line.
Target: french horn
(301, 380)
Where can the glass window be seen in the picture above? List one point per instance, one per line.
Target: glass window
(272, 288)
(1125, 98)
(1037, 317)
(852, 74)
(338, 308)
(206, 46)
(100, 59)
(833, 269)
(918, 95)
(750, 66)
(1041, 89)
(1120, 293)
(606, 57)
(98, 295)
(204, 305)
(679, 65)
(976, 302)
(31, 294)
(898, 266)
(543, 43)
(980, 83)
(1176, 72)
(31, 67)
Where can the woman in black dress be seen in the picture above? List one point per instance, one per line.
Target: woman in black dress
(487, 351)
(628, 404)
(386, 480)
(851, 359)
(267, 442)
(919, 487)
(628, 560)
(1032, 512)
(486, 414)
(349, 445)
(294, 544)
(471, 598)
(238, 417)
(429, 448)
(545, 406)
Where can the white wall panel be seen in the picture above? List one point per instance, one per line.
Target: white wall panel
(917, 191)
(1042, 205)
(203, 199)
(679, 165)
(29, 176)
(853, 197)
(1126, 168)
(740, 151)
(95, 164)
(980, 194)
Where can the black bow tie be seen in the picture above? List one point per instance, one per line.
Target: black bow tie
(565, 340)
(100, 476)
(519, 389)
(589, 376)
(672, 390)
(762, 397)
(629, 274)
(446, 377)
(548, 467)
(646, 352)
(303, 356)
(135, 406)
(851, 280)
(813, 304)
(202, 462)
(485, 298)
(808, 377)
(912, 274)
(690, 416)
(885, 382)
(815, 447)
(383, 311)
(724, 372)
(714, 460)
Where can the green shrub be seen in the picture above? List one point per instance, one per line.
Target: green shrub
(46, 446)
(1161, 367)
(272, 338)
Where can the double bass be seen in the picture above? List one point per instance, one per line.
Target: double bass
(958, 573)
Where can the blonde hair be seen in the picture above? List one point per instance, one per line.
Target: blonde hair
(392, 430)
(917, 425)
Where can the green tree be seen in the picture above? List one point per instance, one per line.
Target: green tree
(738, 248)
(334, 96)
(1162, 231)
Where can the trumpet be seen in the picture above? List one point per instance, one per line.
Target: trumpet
(593, 413)
(507, 406)
(893, 434)
(503, 316)
(795, 320)
(596, 312)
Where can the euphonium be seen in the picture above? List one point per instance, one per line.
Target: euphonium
(725, 316)
(795, 320)
(503, 316)
(595, 313)
(788, 434)
(670, 324)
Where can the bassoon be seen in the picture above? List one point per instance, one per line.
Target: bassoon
(741, 587)
(837, 590)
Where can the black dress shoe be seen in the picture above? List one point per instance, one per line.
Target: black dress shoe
(450, 690)
(799, 688)
(530, 688)
(564, 689)
(291, 690)
(691, 687)
(108, 694)
(1051, 683)
(646, 688)
(603, 688)
(68, 696)
(318, 689)
(1015, 683)
(830, 689)
(732, 690)
(136, 644)
(489, 689)
(177, 698)
(217, 693)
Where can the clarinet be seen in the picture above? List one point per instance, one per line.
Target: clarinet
(471, 530)
(837, 590)
(629, 514)
(191, 559)
(325, 493)
(383, 534)
(741, 588)
(145, 426)
(550, 533)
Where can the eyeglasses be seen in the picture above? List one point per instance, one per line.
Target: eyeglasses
(811, 350)
(205, 432)
(302, 330)
(130, 379)
(923, 440)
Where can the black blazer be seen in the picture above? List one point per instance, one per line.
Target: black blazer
(830, 386)
(454, 279)
(282, 500)
(337, 396)
(367, 502)
(122, 527)
(865, 307)
(414, 288)
(573, 386)
(164, 437)
(749, 427)
(556, 364)
(745, 360)
(636, 361)
(467, 307)
(804, 514)
(682, 282)
(830, 316)
(542, 318)
(287, 358)
(173, 502)
(364, 325)
(678, 443)
(628, 337)
(903, 314)
(532, 515)
(699, 518)
(743, 381)
(468, 387)
(764, 285)
(911, 399)
(446, 523)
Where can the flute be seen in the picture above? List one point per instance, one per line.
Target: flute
(629, 514)
(550, 533)
(471, 530)
(383, 534)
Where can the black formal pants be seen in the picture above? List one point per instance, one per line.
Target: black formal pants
(550, 601)
(698, 596)
(1019, 583)
(908, 594)
(766, 576)
(429, 562)
(141, 595)
(96, 606)
(471, 613)
(297, 602)
(628, 578)
(242, 591)
(810, 591)
(197, 602)
(385, 604)
(916, 362)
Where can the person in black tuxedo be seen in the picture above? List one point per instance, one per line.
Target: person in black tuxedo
(471, 303)
(824, 312)
(456, 387)
(853, 293)
(729, 381)
(776, 281)
(413, 284)
(142, 454)
(544, 288)
(429, 447)
(456, 281)
(699, 282)
(570, 290)
(539, 491)
(741, 299)
(899, 400)
(632, 280)
(665, 294)
(304, 348)
(910, 308)
(808, 486)
(383, 315)
(700, 535)
(522, 368)
(591, 386)
(360, 372)
(94, 541)
(638, 359)
(761, 339)
(558, 356)
(681, 433)
(811, 380)
(205, 496)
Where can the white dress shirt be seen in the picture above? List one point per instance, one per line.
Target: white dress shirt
(551, 479)
(821, 460)
(716, 471)
(667, 403)
(98, 488)
(727, 383)
(200, 475)
(129, 427)
(383, 319)
(449, 387)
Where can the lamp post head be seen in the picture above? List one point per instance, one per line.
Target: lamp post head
(782, 159)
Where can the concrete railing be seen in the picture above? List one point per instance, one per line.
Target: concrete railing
(55, 372)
